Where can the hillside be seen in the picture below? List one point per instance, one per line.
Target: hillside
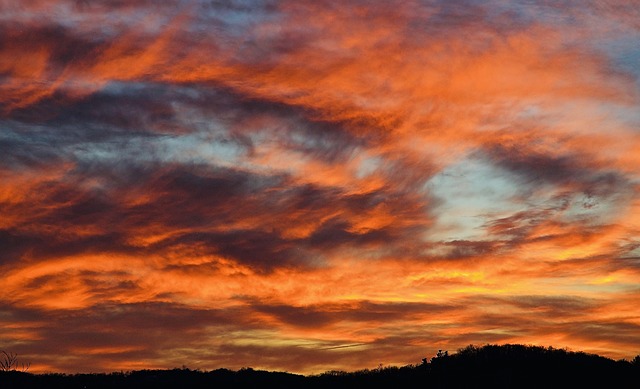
(489, 366)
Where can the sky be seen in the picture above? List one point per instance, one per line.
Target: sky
(313, 185)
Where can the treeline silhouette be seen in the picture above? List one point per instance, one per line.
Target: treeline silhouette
(489, 366)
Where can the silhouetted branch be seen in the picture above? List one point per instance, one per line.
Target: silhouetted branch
(9, 362)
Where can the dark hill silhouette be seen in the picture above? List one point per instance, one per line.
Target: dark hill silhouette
(489, 366)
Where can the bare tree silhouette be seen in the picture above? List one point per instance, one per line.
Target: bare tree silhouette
(9, 362)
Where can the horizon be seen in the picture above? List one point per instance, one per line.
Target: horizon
(301, 185)
(17, 366)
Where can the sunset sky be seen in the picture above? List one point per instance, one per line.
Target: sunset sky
(307, 185)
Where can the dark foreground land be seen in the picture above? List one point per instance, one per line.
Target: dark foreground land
(490, 366)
